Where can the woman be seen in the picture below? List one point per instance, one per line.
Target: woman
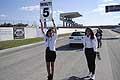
(99, 37)
(90, 45)
(50, 56)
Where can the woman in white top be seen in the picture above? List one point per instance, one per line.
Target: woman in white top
(90, 45)
(50, 42)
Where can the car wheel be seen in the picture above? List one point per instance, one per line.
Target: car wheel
(70, 45)
(81, 46)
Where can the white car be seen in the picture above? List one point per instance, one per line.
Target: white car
(76, 38)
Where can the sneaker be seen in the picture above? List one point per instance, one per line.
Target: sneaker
(92, 77)
(89, 76)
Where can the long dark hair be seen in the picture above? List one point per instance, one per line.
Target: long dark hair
(91, 33)
(48, 32)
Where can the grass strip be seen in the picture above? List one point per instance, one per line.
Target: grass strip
(16, 43)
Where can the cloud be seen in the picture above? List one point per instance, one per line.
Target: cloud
(106, 1)
(3, 15)
(58, 11)
(37, 8)
(56, 14)
(116, 17)
(101, 7)
(31, 8)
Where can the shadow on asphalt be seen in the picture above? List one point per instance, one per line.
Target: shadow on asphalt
(75, 78)
(68, 48)
(110, 38)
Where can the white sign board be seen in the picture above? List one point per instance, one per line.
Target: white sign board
(6, 33)
(46, 10)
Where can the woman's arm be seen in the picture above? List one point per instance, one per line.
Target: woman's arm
(54, 26)
(42, 27)
(95, 44)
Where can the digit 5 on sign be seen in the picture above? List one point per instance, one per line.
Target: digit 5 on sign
(46, 10)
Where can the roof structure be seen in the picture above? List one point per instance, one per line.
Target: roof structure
(70, 15)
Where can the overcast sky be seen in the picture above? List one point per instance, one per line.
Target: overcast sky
(93, 11)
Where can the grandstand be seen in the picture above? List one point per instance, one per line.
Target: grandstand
(67, 19)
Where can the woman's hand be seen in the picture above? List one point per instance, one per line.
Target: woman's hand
(40, 21)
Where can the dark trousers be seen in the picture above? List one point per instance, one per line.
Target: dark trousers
(90, 56)
(99, 43)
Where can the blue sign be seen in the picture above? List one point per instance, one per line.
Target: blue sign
(112, 8)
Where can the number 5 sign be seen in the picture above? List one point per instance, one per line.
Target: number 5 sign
(46, 10)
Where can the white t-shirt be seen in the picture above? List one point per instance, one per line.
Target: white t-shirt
(88, 43)
(51, 42)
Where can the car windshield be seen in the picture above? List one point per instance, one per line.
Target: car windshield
(78, 34)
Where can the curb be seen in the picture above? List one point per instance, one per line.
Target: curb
(15, 49)
(116, 30)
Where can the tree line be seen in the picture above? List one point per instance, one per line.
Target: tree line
(13, 25)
